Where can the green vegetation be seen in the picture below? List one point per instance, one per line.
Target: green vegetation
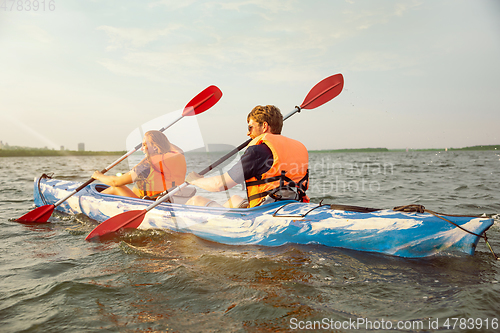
(491, 147)
(377, 150)
(354, 150)
(18, 152)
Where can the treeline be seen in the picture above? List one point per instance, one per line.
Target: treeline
(471, 148)
(378, 150)
(490, 147)
(353, 150)
(50, 152)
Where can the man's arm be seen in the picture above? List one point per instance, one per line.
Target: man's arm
(255, 161)
(212, 184)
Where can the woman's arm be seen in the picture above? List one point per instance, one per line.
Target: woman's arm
(212, 184)
(114, 181)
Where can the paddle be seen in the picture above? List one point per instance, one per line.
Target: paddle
(199, 104)
(321, 93)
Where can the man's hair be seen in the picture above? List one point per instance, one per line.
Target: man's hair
(269, 114)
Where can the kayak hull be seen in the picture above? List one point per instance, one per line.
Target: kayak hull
(411, 235)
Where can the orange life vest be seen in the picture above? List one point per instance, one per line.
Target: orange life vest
(289, 169)
(165, 171)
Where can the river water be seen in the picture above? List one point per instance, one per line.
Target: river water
(52, 280)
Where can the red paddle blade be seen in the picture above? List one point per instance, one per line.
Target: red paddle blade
(130, 219)
(323, 92)
(40, 214)
(203, 101)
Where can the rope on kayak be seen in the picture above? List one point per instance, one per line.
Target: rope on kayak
(421, 209)
(331, 206)
(43, 176)
(298, 215)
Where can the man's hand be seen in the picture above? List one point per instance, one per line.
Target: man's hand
(192, 176)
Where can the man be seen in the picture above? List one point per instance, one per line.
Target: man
(273, 167)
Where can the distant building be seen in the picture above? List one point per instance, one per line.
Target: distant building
(1, 145)
(81, 147)
(62, 147)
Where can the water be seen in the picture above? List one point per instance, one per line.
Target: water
(52, 280)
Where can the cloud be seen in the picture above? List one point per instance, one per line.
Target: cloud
(401, 8)
(132, 38)
(262, 5)
(365, 16)
(36, 33)
(381, 61)
(23, 28)
(172, 4)
(260, 59)
(260, 50)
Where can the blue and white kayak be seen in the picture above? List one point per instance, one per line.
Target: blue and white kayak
(410, 235)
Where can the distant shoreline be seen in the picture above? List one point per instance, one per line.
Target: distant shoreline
(48, 152)
(20, 152)
(385, 150)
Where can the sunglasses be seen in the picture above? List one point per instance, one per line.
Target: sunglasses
(250, 127)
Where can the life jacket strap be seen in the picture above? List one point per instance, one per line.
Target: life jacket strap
(285, 184)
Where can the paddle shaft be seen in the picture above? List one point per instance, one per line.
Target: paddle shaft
(240, 147)
(112, 165)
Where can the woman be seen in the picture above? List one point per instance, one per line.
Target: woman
(163, 167)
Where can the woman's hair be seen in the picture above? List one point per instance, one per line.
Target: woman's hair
(159, 140)
(269, 114)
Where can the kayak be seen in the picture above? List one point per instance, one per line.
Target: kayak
(387, 231)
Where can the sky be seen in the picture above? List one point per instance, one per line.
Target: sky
(418, 74)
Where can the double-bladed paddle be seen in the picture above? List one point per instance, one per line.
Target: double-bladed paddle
(200, 103)
(321, 93)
